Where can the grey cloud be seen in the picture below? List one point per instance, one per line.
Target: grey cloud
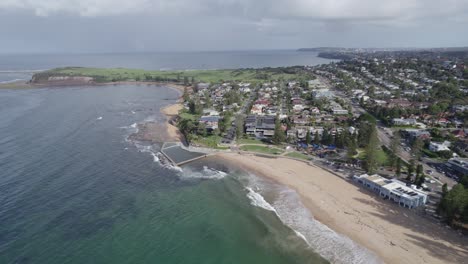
(257, 9)
(161, 25)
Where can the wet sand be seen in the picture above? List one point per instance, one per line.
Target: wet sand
(395, 234)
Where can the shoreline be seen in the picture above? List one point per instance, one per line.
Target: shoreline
(171, 113)
(74, 83)
(394, 234)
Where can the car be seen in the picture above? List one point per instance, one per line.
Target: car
(429, 172)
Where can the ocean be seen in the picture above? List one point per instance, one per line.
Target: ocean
(74, 189)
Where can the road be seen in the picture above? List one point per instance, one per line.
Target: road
(231, 133)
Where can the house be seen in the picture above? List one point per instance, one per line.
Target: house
(314, 111)
(291, 133)
(314, 83)
(413, 134)
(442, 121)
(300, 120)
(339, 111)
(436, 146)
(393, 190)
(323, 93)
(211, 122)
(298, 108)
(404, 122)
(210, 112)
(398, 103)
(257, 109)
(203, 86)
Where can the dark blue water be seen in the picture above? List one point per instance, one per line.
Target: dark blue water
(20, 66)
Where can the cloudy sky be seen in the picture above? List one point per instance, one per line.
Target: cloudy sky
(179, 25)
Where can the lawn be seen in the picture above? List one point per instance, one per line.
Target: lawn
(250, 141)
(298, 155)
(187, 116)
(382, 157)
(261, 149)
(209, 141)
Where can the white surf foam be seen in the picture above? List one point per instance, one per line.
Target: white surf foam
(206, 173)
(287, 205)
(257, 200)
(134, 125)
(332, 246)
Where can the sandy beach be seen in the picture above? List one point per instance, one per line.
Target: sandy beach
(171, 112)
(395, 234)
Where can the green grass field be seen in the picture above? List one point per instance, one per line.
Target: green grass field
(121, 74)
(250, 141)
(382, 157)
(298, 155)
(261, 149)
(209, 141)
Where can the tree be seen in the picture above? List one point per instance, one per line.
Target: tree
(316, 138)
(398, 167)
(186, 95)
(239, 126)
(279, 135)
(186, 126)
(371, 152)
(410, 170)
(454, 204)
(222, 124)
(444, 190)
(371, 92)
(419, 179)
(326, 137)
(308, 138)
(419, 170)
(416, 148)
(195, 107)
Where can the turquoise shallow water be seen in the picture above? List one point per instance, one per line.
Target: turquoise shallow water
(73, 190)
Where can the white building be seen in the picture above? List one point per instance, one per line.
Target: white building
(394, 190)
(436, 147)
(404, 122)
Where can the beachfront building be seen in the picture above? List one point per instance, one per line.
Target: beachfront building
(459, 165)
(394, 190)
(260, 126)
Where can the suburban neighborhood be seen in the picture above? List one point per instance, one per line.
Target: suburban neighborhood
(399, 117)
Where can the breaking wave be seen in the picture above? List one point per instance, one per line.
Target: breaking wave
(257, 199)
(287, 205)
(206, 173)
